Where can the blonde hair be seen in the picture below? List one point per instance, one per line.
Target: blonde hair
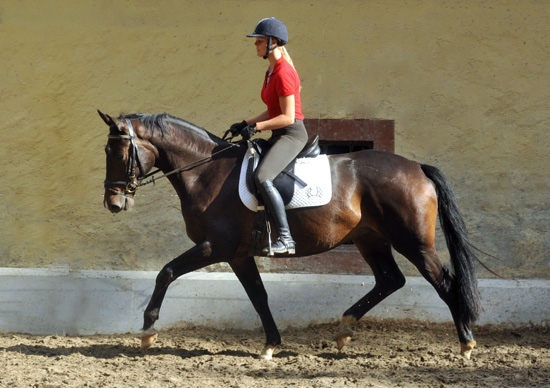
(286, 55)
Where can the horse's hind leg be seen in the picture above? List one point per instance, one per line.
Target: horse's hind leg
(388, 279)
(432, 269)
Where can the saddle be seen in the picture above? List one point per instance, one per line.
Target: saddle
(284, 182)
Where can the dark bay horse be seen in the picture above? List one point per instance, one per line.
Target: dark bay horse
(380, 200)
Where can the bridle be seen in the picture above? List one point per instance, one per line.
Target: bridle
(132, 182)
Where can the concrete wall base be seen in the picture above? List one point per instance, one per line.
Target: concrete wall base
(56, 301)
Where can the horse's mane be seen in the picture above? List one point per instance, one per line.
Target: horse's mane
(164, 122)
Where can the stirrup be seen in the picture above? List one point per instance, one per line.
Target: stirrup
(280, 247)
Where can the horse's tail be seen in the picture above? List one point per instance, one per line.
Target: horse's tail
(462, 256)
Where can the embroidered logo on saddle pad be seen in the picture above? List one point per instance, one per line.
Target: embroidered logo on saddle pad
(314, 172)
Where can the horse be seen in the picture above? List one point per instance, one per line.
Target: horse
(380, 201)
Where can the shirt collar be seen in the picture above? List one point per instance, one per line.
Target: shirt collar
(278, 64)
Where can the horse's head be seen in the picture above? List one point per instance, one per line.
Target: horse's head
(129, 158)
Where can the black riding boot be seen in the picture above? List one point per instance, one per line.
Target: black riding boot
(274, 203)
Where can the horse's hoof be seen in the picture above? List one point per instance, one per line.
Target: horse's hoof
(466, 349)
(267, 354)
(345, 331)
(342, 341)
(147, 340)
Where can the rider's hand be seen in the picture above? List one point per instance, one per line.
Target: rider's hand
(248, 131)
(236, 128)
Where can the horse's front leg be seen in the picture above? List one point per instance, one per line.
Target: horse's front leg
(196, 258)
(249, 276)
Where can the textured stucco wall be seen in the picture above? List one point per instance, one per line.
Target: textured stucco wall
(467, 82)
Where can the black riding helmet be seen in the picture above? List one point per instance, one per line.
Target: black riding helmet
(272, 28)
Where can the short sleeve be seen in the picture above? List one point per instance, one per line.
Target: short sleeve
(286, 85)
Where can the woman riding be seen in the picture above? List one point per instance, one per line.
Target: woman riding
(283, 117)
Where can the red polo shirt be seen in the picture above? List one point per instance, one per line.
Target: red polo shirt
(284, 81)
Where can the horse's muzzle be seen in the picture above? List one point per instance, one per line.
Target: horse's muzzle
(116, 203)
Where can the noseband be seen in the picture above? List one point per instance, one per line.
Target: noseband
(132, 183)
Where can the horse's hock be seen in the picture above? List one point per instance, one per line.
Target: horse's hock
(338, 136)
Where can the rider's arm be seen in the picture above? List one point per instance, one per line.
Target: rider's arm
(283, 120)
(261, 117)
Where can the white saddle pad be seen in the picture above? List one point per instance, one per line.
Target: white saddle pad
(314, 171)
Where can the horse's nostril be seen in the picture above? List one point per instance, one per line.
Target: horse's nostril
(114, 208)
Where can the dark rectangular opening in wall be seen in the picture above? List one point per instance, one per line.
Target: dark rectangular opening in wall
(376, 134)
(343, 147)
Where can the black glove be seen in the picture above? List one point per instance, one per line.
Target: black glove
(248, 131)
(236, 128)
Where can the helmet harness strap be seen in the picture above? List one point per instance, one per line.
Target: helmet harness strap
(270, 47)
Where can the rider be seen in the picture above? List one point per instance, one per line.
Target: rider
(283, 117)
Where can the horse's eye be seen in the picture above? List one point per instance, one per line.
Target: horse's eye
(118, 156)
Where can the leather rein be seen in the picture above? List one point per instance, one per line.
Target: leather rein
(133, 182)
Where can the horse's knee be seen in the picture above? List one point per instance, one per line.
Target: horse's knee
(165, 276)
(206, 249)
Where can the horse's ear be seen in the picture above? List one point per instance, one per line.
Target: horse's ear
(112, 122)
(106, 118)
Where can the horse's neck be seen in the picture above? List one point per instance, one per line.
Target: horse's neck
(188, 151)
(178, 148)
